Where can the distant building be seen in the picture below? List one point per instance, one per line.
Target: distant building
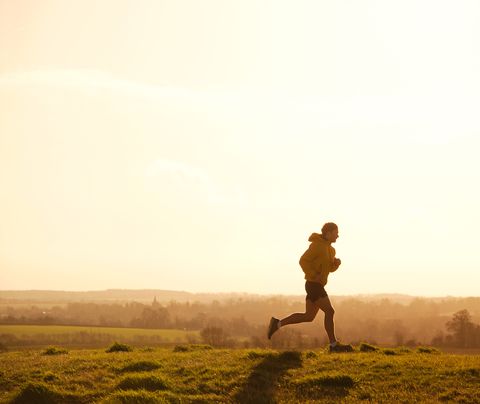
(155, 303)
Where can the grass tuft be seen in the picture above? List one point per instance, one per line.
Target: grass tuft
(118, 347)
(140, 382)
(258, 353)
(335, 380)
(389, 352)
(364, 347)
(364, 395)
(449, 395)
(470, 372)
(140, 397)
(39, 393)
(141, 366)
(290, 356)
(42, 393)
(191, 347)
(49, 377)
(54, 351)
(428, 350)
(310, 354)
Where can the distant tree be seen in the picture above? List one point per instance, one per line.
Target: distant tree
(438, 339)
(214, 336)
(476, 336)
(462, 328)
(399, 337)
(412, 342)
(152, 318)
(257, 341)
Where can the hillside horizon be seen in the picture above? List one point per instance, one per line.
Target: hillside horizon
(163, 295)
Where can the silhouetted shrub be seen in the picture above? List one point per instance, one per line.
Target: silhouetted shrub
(54, 351)
(117, 347)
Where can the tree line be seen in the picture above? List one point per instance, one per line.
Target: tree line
(448, 322)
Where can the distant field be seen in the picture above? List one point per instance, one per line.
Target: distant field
(17, 336)
(18, 305)
(21, 330)
(199, 374)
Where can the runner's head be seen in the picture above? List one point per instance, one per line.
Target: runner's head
(330, 232)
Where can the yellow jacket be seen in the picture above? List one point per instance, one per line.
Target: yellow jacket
(318, 259)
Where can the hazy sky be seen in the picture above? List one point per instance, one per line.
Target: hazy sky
(195, 145)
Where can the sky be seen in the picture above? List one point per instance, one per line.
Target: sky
(195, 146)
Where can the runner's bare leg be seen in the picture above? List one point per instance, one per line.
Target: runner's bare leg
(323, 303)
(311, 310)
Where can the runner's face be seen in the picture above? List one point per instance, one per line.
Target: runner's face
(332, 236)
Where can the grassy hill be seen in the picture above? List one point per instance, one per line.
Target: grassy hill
(198, 373)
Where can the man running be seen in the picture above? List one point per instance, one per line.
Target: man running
(317, 263)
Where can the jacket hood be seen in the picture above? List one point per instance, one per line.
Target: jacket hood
(316, 237)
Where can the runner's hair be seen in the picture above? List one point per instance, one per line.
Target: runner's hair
(329, 227)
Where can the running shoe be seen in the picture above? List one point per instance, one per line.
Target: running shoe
(272, 327)
(341, 348)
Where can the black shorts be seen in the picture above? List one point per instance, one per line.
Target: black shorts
(314, 291)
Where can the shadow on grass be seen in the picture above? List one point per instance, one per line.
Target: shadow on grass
(261, 384)
(43, 393)
(325, 385)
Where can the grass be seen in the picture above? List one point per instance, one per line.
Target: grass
(143, 382)
(238, 375)
(140, 366)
